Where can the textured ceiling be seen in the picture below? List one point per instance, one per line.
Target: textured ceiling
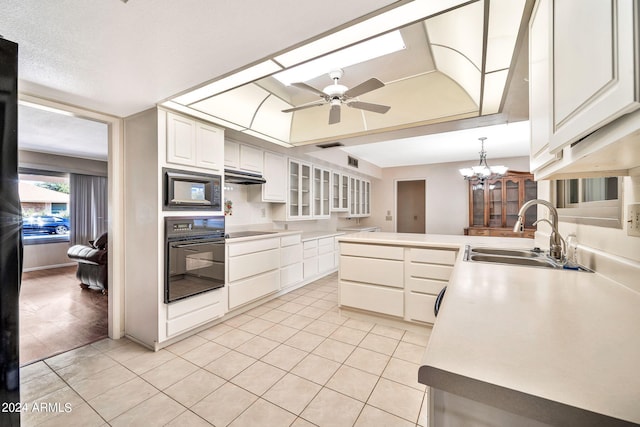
(121, 58)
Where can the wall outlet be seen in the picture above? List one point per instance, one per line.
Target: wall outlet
(633, 221)
(388, 218)
(263, 212)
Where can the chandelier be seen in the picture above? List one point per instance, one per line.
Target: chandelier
(479, 174)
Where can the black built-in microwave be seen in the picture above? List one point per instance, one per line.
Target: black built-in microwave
(191, 191)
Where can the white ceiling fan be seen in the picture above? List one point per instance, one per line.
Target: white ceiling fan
(337, 95)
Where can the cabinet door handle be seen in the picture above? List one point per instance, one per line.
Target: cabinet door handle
(439, 298)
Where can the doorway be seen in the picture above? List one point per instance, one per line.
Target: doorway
(111, 304)
(411, 206)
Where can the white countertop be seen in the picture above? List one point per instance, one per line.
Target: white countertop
(273, 233)
(310, 235)
(563, 336)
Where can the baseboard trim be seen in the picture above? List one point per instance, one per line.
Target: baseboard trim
(47, 267)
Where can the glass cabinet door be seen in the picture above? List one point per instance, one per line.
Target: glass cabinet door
(530, 193)
(495, 203)
(326, 182)
(352, 196)
(294, 187)
(317, 191)
(367, 198)
(512, 202)
(477, 215)
(305, 190)
(335, 191)
(344, 192)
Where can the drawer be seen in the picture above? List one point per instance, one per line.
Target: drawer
(290, 275)
(197, 302)
(372, 251)
(251, 264)
(253, 288)
(293, 239)
(310, 267)
(194, 318)
(191, 312)
(379, 299)
(242, 248)
(290, 254)
(310, 253)
(425, 286)
(325, 249)
(420, 307)
(326, 241)
(478, 232)
(310, 244)
(380, 271)
(433, 256)
(429, 271)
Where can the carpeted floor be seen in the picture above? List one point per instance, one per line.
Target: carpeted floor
(56, 315)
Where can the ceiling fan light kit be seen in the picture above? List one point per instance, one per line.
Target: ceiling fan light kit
(337, 94)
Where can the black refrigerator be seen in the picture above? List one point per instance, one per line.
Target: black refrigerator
(10, 236)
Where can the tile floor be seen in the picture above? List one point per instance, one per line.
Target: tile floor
(293, 361)
(56, 315)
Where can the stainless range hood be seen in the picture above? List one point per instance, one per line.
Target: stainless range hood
(243, 178)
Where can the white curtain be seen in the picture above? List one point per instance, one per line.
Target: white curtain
(88, 207)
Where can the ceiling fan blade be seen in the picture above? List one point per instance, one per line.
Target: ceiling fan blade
(368, 86)
(334, 114)
(302, 107)
(375, 108)
(306, 87)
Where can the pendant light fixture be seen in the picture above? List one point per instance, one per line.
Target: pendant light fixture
(482, 172)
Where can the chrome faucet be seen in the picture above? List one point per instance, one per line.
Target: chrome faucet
(555, 240)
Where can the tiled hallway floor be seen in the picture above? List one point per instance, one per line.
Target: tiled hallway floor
(291, 361)
(56, 315)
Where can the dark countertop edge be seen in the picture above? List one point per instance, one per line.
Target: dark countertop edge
(517, 402)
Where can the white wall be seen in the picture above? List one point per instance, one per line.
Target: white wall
(248, 209)
(49, 255)
(447, 194)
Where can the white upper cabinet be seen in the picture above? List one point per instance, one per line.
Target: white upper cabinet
(250, 159)
(540, 84)
(193, 143)
(231, 155)
(321, 192)
(242, 157)
(300, 192)
(275, 172)
(339, 192)
(359, 197)
(594, 69)
(209, 147)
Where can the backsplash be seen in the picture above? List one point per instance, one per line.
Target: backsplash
(245, 211)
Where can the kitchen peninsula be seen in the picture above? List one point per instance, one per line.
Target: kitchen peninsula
(535, 345)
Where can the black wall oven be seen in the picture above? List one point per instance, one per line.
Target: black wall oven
(194, 256)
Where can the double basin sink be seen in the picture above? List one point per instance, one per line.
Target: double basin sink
(523, 257)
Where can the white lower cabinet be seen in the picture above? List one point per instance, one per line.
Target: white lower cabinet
(319, 256)
(394, 280)
(427, 271)
(290, 261)
(255, 287)
(372, 278)
(191, 312)
(380, 299)
(253, 270)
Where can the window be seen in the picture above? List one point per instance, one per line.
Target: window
(44, 198)
(593, 201)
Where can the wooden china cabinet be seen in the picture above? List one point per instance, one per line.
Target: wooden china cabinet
(494, 205)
